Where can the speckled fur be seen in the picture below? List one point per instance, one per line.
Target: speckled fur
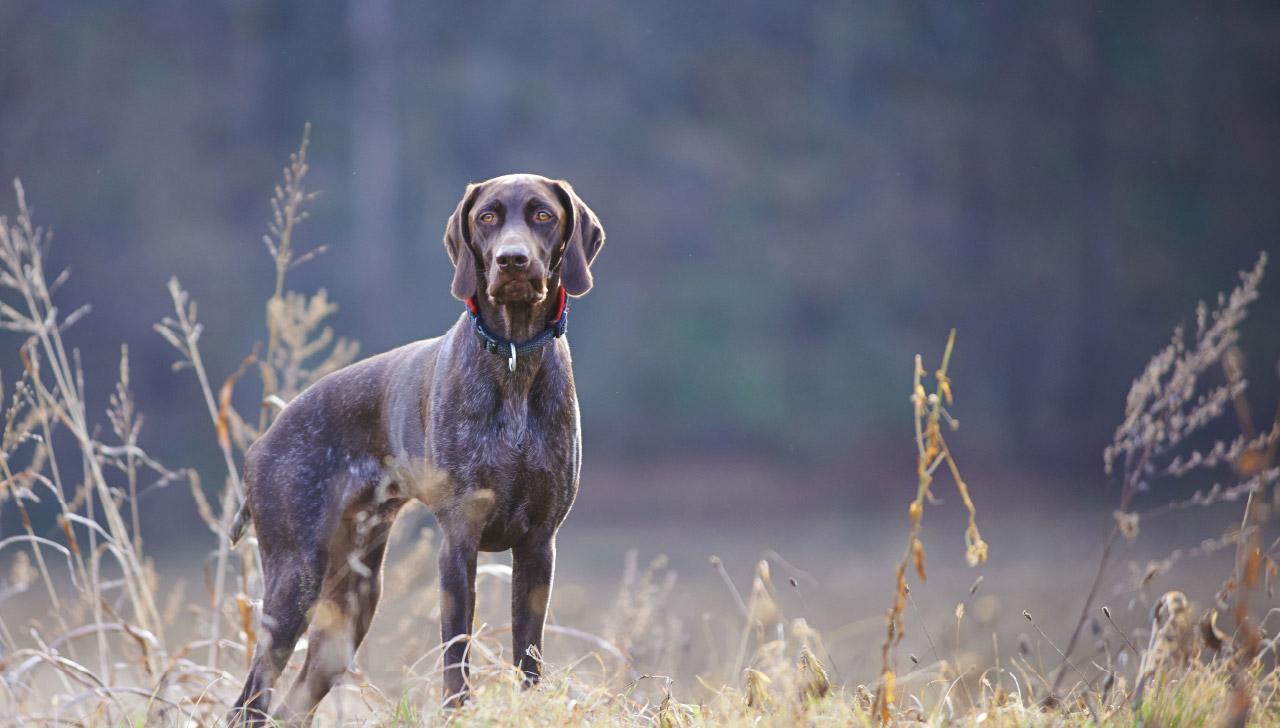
(494, 454)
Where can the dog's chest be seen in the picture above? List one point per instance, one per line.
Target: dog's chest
(497, 435)
(512, 428)
(506, 430)
(523, 441)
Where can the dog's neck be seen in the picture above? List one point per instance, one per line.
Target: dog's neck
(517, 321)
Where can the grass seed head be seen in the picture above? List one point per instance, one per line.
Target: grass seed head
(756, 694)
(814, 681)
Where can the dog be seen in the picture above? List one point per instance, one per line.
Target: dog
(481, 425)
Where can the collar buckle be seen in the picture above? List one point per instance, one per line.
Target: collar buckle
(511, 350)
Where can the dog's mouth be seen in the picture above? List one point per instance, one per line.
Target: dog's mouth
(518, 290)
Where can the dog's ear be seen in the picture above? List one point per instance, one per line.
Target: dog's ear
(583, 238)
(457, 240)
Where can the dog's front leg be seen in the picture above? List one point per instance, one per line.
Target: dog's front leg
(457, 610)
(532, 569)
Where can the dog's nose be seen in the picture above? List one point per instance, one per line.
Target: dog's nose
(512, 257)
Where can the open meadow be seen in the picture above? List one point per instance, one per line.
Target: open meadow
(961, 602)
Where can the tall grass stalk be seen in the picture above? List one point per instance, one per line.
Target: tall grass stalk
(287, 211)
(931, 453)
(184, 333)
(61, 402)
(1166, 406)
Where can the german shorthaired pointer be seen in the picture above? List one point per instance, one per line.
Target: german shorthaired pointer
(481, 425)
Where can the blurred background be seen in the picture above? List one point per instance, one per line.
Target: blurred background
(797, 202)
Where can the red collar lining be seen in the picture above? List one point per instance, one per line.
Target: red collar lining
(561, 300)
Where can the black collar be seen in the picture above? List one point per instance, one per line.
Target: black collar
(511, 350)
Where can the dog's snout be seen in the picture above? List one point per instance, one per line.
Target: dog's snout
(510, 257)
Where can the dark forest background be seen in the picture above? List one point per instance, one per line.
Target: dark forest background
(798, 199)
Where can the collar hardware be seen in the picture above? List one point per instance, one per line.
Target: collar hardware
(512, 350)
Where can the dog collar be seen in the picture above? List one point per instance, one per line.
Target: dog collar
(511, 350)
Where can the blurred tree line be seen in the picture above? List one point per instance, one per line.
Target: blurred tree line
(798, 198)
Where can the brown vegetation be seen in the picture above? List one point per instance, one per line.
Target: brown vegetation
(118, 646)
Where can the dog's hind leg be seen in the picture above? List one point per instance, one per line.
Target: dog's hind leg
(291, 584)
(347, 603)
(532, 569)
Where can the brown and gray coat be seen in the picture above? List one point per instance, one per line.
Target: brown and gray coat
(494, 453)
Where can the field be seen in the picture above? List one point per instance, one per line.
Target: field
(716, 616)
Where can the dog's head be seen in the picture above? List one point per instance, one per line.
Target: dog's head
(513, 235)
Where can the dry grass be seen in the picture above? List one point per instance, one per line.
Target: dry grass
(116, 646)
(931, 453)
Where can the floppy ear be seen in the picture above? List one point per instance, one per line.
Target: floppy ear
(457, 240)
(583, 238)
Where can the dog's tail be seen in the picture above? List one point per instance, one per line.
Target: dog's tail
(241, 524)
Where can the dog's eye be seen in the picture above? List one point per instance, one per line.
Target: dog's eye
(542, 216)
(487, 217)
